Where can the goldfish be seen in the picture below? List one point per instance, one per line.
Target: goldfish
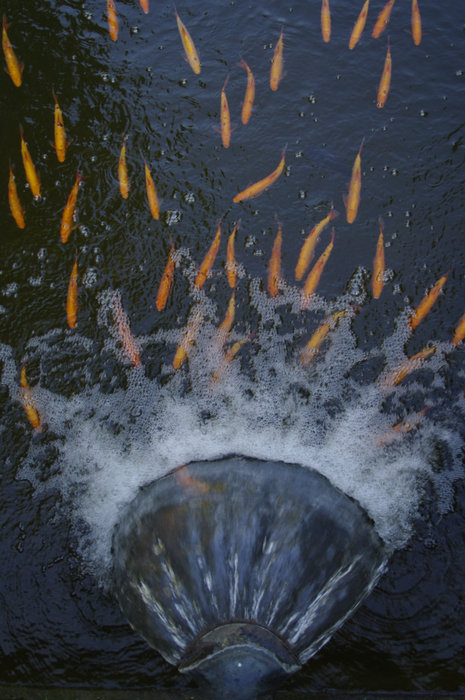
(13, 200)
(28, 402)
(123, 331)
(71, 300)
(112, 19)
(145, 5)
(209, 259)
(166, 281)
(29, 169)
(187, 481)
(424, 307)
(395, 376)
(276, 71)
(232, 352)
(230, 257)
(123, 171)
(359, 25)
(15, 71)
(400, 429)
(416, 23)
(325, 20)
(226, 325)
(315, 273)
(247, 105)
(377, 282)
(311, 348)
(59, 131)
(352, 200)
(189, 47)
(385, 82)
(274, 270)
(459, 333)
(68, 212)
(225, 117)
(308, 247)
(151, 194)
(188, 337)
(258, 187)
(383, 19)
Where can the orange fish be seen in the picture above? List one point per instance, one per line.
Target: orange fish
(247, 105)
(383, 19)
(187, 481)
(28, 402)
(189, 47)
(311, 348)
(325, 21)
(68, 212)
(276, 71)
(123, 330)
(233, 350)
(274, 269)
(151, 194)
(123, 171)
(385, 82)
(258, 187)
(225, 117)
(29, 169)
(416, 23)
(459, 334)
(13, 200)
(59, 131)
(359, 25)
(14, 70)
(352, 200)
(209, 259)
(230, 257)
(400, 429)
(166, 281)
(395, 376)
(424, 307)
(308, 247)
(112, 19)
(315, 273)
(145, 5)
(226, 325)
(188, 338)
(377, 282)
(71, 300)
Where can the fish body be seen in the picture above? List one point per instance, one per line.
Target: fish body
(166, 281)
(377, 282)
(247, 105)
(72, 298)
(325, 20)
(385, 82)
(13, 200)
(459, 333)
(13, 68)
(383, 19)
(29, 406)
(123, 172)
(68, 212)
(112, 18)
(230, 257)
(312, 347)
(59, 131)
(424, 307)
(145, 5)
(188, 338)
(396, 375)
(258, 187)
(152, 196)
(29, 169)
(416, 23)
(188, 45)
(308, 247)
(232, 352)
(274, 269)
(209, 259)
(226, 325)
(359, 25)
(400, 429)
(124, 333)
(276, 71)
(352, 200)
(225, 117)
(315, 273)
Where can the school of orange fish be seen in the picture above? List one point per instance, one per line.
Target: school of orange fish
(351, 201)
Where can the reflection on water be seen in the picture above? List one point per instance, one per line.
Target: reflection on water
(107, 421)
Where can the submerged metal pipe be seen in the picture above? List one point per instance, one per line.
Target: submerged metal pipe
(238, 570)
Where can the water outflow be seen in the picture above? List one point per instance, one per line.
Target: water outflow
(239, 570)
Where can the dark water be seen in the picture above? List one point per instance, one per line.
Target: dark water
(56, 626)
